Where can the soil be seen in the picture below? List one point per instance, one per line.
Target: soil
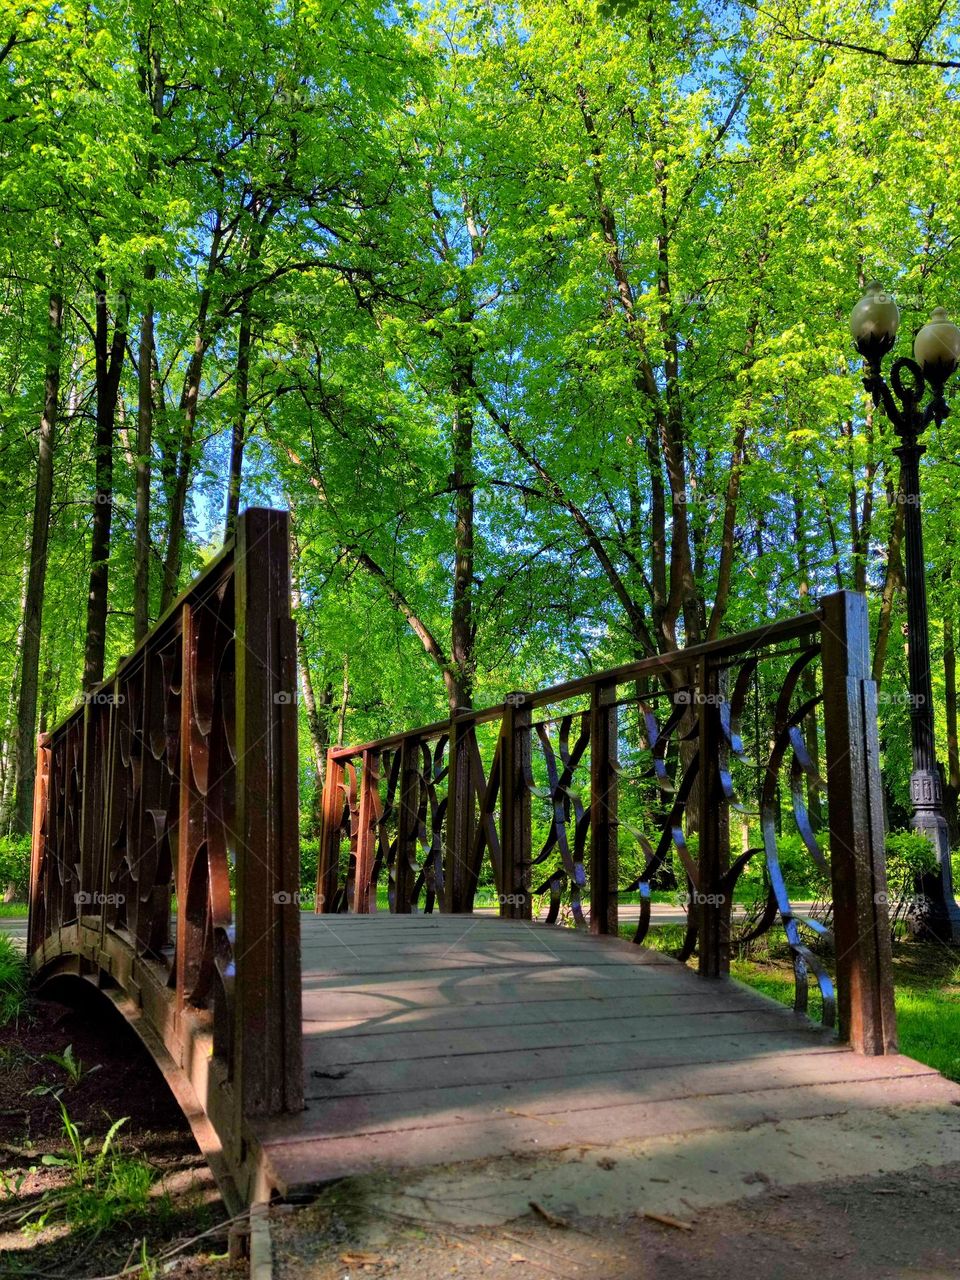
(184, 1201)
(879, 1228)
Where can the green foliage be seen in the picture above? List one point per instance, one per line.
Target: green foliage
(104, 1187)
(909, 855)
(15, 865)
(71, 1066)
(14, 980)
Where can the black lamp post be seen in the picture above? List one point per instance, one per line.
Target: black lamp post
(936, 349)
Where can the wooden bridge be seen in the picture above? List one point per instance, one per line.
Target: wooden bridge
(303, 1047)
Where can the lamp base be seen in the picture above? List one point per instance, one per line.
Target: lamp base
(938, 915)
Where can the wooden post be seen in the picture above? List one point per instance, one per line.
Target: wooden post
(408, 821)
(328, 859)
(458, 881)
(713, 826)
(39, 835)
(857, 858)
(604, 861)
(515, 808)
(268, 1046)
(364, 893)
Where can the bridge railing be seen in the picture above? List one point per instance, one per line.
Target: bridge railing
(704, 768)
(165, 846)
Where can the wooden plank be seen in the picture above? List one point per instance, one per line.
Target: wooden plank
(535, 1067)
(483, 988)
(299, 1163)
(605, 1090)
(423, 1043)
(381, 1015)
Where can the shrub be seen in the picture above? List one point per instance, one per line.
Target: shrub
(13, 980)
(909, 855)
(15, 865)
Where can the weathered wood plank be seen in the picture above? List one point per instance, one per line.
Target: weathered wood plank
(296, 1163)
(514, 1035)
(605, 1091)
(539, 1066)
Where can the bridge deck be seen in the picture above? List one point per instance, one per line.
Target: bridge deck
(431, 1039)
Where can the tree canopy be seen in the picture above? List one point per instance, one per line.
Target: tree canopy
(533, 314)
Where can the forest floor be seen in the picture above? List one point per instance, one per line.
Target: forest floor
(151, 1193)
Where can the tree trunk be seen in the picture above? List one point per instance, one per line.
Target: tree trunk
(238, 437)
(463, 510)
(108, 358)
(141, 554)
(894, 581)
(189, 401)
(37, 572)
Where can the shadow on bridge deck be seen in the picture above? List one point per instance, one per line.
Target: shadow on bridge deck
(433, 1039)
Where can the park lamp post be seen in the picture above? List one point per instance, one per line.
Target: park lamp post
(936, 353)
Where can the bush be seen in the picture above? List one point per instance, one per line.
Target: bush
(909, 855)
(14, 978)
(309, 857)
(15, 865)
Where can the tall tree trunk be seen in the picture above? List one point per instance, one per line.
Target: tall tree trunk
(37, 571)
(141, 553)
(108, 358)
(238, 436)
(189, 403)
(463, 510)
(894, 581)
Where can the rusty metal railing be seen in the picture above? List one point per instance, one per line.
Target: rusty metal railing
(547, 793)
(165, 845)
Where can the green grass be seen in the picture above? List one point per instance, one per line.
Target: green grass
(14, 910)
(14, 978)
(926, 994)
(103, 1187)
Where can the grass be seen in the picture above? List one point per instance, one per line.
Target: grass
(926, 994)
(14, 910)
(103, 1186)
(14, 978)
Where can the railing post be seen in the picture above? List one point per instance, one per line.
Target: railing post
(268, 1044)
(857, 859)
(515, 808)
(39, 836)
(408, 822)
(458, 886)
(603, 809)
(328, 854)
(364, 893)
(713, 826)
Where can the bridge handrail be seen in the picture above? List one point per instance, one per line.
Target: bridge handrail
(177, 777)
(423, 809)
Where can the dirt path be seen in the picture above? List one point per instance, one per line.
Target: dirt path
(874, 1228)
